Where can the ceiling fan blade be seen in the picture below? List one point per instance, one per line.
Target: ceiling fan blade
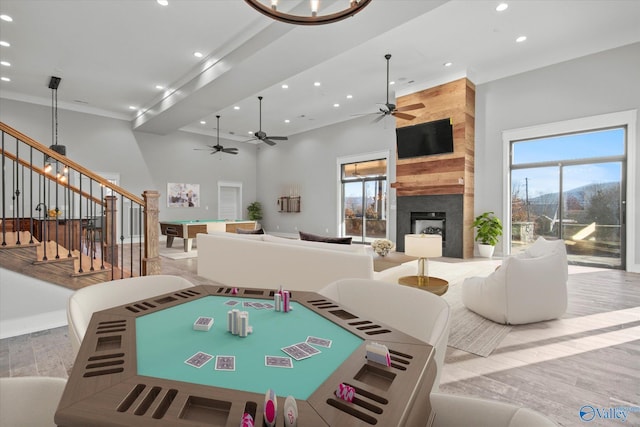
(410, 107)
(268, 141)
(403, 116)
(230, 150)
(380, 117)
(278, 138)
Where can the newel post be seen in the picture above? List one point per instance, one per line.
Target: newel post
(151, 260)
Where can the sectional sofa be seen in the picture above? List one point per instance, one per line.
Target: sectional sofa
(267, 261)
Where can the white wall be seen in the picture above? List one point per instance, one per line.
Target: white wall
(596, 84)
(308, 160)
(144, 161)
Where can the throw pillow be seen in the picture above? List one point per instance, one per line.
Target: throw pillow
(246, 231)
(316, 238)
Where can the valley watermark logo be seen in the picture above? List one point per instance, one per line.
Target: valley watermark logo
(619, 413)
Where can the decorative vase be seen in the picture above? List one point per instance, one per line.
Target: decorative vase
(485, 251)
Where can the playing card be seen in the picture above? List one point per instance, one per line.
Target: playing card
(319, 341)
(268, 306)
(231, 303)
(225, 363)
(247, 304)
(296, 352)
(278, 361)
(258, 305)
(308, 348)
(204, 321)
(198, 360)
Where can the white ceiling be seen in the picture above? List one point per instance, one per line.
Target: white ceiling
(112, 53)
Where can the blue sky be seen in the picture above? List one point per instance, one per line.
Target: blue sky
(568, 147)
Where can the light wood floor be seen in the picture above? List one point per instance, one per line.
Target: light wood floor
(589, 357)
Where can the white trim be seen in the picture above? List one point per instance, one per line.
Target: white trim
(232, 184)
(622, 118)
(383, 154)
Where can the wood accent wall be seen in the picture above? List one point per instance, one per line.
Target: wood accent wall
(451, 173)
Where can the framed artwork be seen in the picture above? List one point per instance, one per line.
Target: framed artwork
(183, 195)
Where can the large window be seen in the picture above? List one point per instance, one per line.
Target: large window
(571, 187)
(364, 200)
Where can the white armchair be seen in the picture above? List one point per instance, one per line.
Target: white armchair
(526, 288)
(418, 313)
(86, 301)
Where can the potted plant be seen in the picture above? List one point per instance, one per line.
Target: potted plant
(488, 229)
(255, 211)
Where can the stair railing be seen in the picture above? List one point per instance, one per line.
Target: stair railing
(72, 212)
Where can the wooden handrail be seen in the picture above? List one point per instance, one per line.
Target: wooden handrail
(65, 160)
(50, 177)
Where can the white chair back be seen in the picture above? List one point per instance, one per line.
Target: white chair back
(86, 301)
(416, 312)
(29, 401)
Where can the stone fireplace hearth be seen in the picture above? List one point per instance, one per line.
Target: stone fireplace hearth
(426, 214)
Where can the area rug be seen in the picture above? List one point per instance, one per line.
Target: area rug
(177, 252)
(469, 332)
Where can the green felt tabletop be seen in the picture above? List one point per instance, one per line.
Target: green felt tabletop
(166, 339)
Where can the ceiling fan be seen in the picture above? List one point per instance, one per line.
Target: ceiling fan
(391, 109)
(262, 136)
(219, 148)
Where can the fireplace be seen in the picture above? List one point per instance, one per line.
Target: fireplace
(429, 223)
(434, 214)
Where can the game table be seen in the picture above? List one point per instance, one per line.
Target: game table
(131, 367)
(187, 230)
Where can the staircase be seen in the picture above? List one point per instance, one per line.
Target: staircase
(64, 224)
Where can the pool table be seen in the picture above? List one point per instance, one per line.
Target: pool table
(187, 230)
(131, 368)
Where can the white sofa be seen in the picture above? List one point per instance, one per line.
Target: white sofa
(266, 261)
(529, 287)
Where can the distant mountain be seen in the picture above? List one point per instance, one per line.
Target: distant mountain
(578, 195)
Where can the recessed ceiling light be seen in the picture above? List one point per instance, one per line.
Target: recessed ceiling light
(131, 107)
(287, 121)
(163, 2)
(198, 54)
(521, 39)
(159, 87)
(6, 18)
(4, 43)
(501, 7)
(5, 79)
(236, 107)
(250, 133)
(448, 64)
(5, 63)
(285, 86)
(316, 84)
(202, 122)
(349, 96)
(392, 83)
(336, 105)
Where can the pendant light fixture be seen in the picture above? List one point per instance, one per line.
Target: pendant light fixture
(61, 173)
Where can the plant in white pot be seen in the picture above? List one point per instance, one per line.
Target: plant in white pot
(255, 213)
(488, 229)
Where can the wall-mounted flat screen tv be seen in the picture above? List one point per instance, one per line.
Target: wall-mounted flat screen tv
(425, 139)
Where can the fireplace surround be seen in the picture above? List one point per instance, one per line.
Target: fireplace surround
(435, 210)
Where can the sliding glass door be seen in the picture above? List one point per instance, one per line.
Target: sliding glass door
(571, 187)
(364, 200)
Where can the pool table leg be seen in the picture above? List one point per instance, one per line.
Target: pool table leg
(169, 241)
